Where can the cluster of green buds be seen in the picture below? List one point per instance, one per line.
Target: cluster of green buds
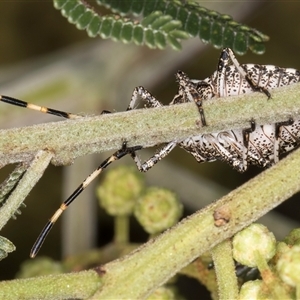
(277, 262)
(123, 193)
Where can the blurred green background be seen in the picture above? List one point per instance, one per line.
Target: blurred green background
(36, 39)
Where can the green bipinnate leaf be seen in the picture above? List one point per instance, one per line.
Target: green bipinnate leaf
(163, 23)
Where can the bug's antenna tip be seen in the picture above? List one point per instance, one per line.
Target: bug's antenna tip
(33, 253)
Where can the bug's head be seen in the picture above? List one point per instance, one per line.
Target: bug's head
(188, 88)
(182, 79)
(184, 84)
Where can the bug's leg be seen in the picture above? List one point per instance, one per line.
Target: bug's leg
(116, 156)
(191, 93)
(278, 127)
(105, 112)
(224, 62)
(159, 155)
(141, 93)
(228, 55)
(246, 138)
(42, 109)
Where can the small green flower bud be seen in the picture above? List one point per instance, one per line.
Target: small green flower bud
(281, 248)
(119, 190)
(252, 290)
(293, 237)
(40, 266)
(255, 238)
(288, 266)
(157, 210)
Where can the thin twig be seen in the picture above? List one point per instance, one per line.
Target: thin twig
(198, 233)
(146, 127)
(148, 267)
(27, 182)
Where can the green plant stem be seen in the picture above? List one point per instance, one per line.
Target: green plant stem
(79, 285)
(25, 185)
(139, 274)
(225, 271)
(146, 127)
(274, 285)
(121, 229)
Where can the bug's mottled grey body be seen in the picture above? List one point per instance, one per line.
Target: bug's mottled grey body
(257, 145)
(262, 145)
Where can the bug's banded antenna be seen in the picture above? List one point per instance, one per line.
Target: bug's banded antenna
(43, 109)
(255, 145)
(116, 156)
